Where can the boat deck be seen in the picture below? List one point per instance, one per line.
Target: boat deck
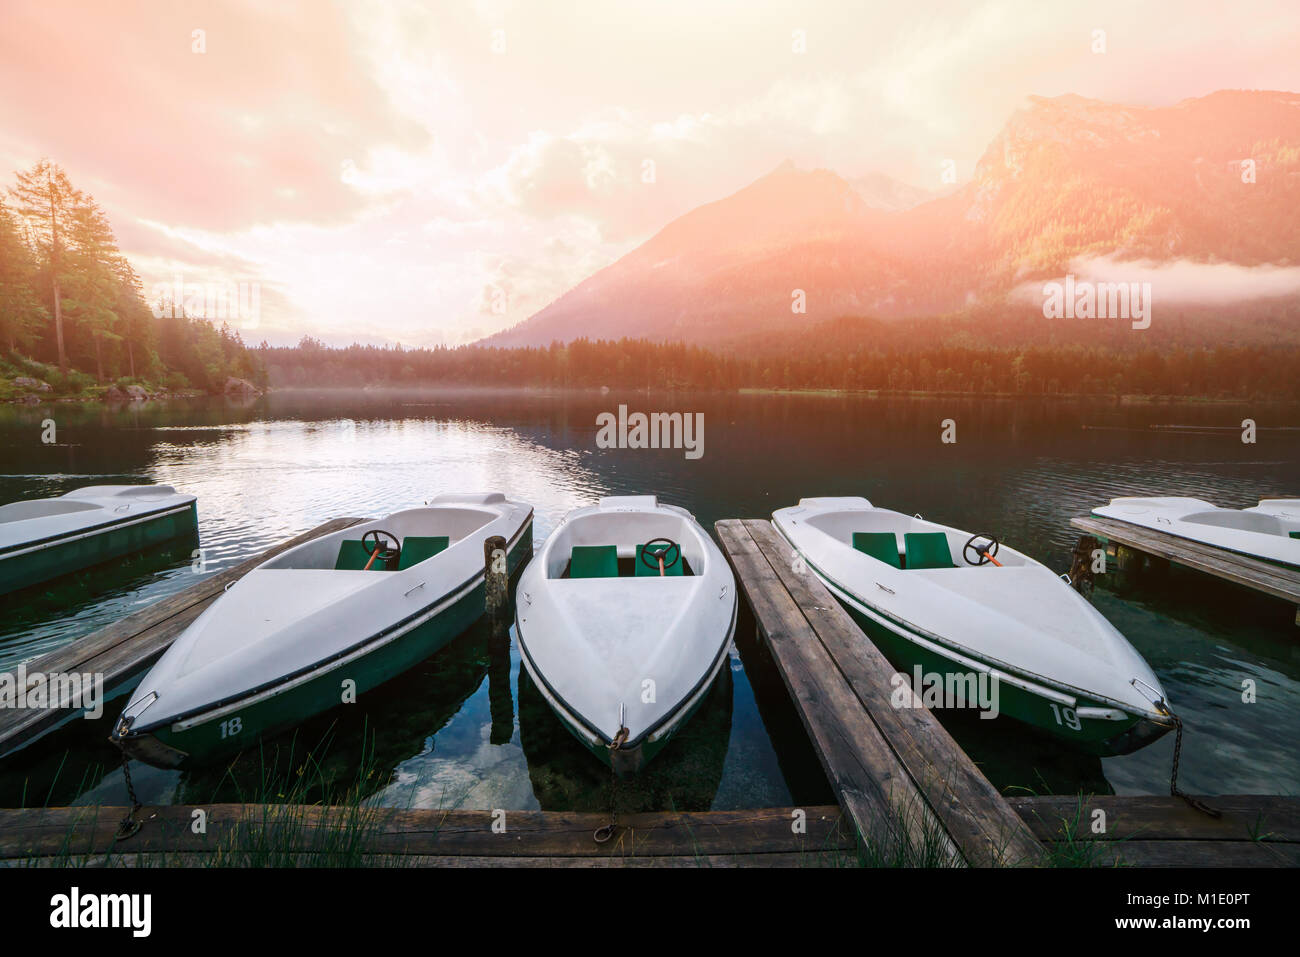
(1266, 577)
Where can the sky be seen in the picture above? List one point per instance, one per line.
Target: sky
(432, 172)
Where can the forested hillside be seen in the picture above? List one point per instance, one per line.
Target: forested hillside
(855, 360)
(73, 312)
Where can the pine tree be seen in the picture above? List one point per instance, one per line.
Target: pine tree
(21, 313)
(137, 323)
(47, 200)
(91, 278)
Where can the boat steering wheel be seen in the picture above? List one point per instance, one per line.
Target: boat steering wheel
(658, 560)
(985, 554)
(377, 551)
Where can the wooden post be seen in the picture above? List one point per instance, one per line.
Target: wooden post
(501, 703)
(496, 574)
(1081, 564)
(1126, 559)
(1156, 566)
(496, 599)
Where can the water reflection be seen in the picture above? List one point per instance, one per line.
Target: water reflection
(47, 615)
(684, 776)
(454, 734)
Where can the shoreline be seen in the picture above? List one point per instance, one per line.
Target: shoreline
(98, 397)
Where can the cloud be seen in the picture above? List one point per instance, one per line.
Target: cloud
(1182, 281)
(380, 166)
(255, 129)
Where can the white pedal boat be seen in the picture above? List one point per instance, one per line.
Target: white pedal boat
(928, 597)
(49, 537)
(333, 617)
(1269, 530)
(622, 650)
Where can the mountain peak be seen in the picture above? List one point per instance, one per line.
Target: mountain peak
(1066, 178)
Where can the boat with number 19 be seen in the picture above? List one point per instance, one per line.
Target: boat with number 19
(957, 604)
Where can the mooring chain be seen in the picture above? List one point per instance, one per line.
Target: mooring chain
(1178, 753)
(129, 826)
(603, 833)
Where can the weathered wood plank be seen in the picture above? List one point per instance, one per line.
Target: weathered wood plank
(985, 828)
(1245, 817)
(284, 830)
(884, 803)
(193, 859)
(126, 648)
(1202, 854)
(1262, 576)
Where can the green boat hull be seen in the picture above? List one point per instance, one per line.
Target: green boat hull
(193, 742)
(76, 554)
(1095, 736)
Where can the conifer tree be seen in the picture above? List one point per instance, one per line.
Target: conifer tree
(21, 313)
(47, 200)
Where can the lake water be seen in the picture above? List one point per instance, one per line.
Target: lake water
(463, 730)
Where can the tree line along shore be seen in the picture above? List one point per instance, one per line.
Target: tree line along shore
(74, 321)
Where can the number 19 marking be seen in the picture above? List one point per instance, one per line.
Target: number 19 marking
(1067, 717)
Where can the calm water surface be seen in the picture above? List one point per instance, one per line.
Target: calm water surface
(466, 730)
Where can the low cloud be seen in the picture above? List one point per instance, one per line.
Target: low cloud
(1181, 281)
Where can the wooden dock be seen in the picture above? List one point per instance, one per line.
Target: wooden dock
(1275, 580)
(910, 791)
(257, 835)
(124, 650)
(907, 793)
(1253, 830)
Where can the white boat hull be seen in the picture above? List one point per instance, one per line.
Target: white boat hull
(47, 538)
(1053, 660)
(624, 660)
(1269, 531)
(296, 636)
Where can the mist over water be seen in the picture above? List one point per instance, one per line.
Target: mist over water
(466, 730)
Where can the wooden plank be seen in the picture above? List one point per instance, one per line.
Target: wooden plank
(1174, 547)
(884, 804)
(213, 859)
(1245, 817)
(132, 644)
(1201, 854)
(984, 827)
(80, 831)
(1253, 573)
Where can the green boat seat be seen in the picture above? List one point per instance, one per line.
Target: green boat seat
(594, 561)
(643, 569)
(881, 545)
(416, 548)
(353, 557)
(927, 550)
